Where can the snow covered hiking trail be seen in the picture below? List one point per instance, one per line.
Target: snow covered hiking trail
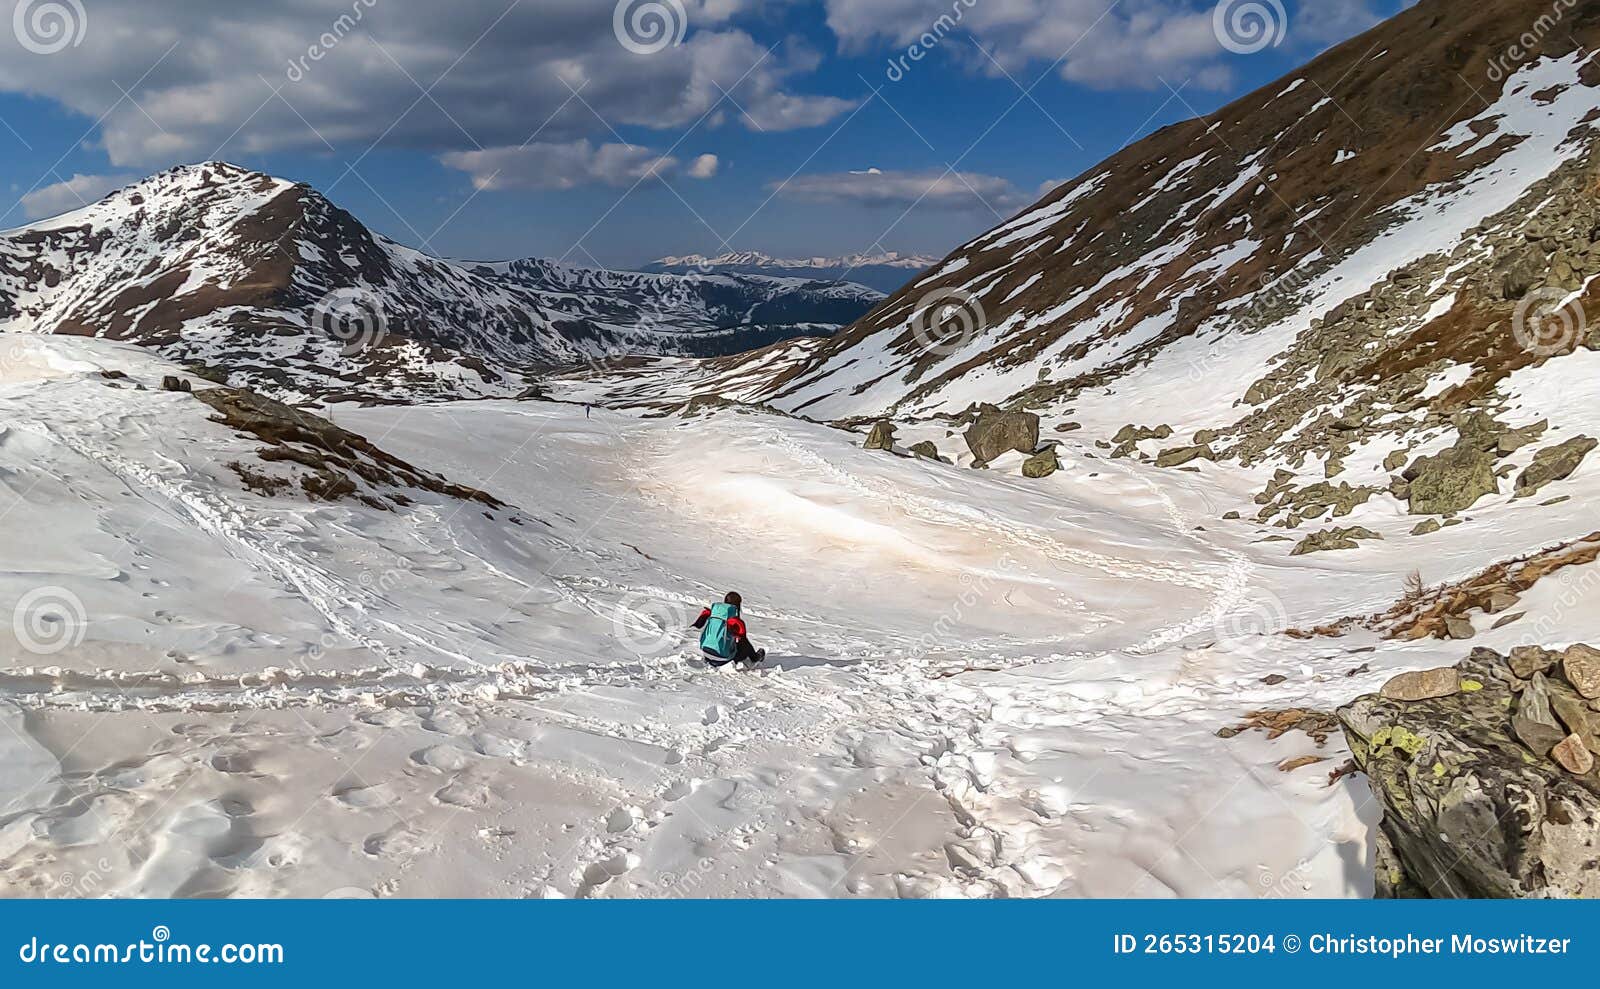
(977, 685)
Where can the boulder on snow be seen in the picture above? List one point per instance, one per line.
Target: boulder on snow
(882, 436)
(1469, 809)
(1042, 464)
(926, 449)
(1178, 456)
(995, 432)
(173, 383)
(1138, 434)
(1333, 539)
(1554, 463)
(1451, 481)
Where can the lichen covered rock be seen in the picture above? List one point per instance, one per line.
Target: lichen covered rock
(995, 432)
(1469, 810)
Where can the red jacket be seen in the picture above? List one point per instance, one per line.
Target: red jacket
(735, 625)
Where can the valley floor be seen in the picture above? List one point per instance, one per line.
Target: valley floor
(977, 684)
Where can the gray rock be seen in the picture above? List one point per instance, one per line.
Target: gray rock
(1334, 539)
(1421, 685)
(1513, 440)
(1426, 527)
(1534, 723)
(1466, 812)
(1520, 271)
(995, 432)
(1138, 434)
(1501, 600)
(1179, 456)
(926, 449)
(1554, 463)
(173, 383)
(1459, 628)
(1528, 660)
(1451, 481)
(1581, 666)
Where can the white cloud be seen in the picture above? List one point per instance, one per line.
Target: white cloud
(935, 189)
(705, 167)
(353, 73)
(1130, 45)
(560, 166)
(74, 193)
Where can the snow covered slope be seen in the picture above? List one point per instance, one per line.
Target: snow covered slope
(1353, 223)
(995, 687)
(885, 272)
(268, 280)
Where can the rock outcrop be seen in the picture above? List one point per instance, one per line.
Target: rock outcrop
(1486, 775)
(882, 436)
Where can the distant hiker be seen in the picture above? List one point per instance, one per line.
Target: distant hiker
(586, 411)
(724, 638)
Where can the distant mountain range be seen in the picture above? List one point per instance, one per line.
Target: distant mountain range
(269, 282)
(886, 272)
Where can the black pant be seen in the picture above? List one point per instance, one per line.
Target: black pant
(743, 652)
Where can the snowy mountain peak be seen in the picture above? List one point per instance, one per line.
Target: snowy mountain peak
(216, 264)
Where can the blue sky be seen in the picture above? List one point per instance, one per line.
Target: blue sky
(613, 133)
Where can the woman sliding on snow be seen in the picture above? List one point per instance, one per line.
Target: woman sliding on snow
(724, 638)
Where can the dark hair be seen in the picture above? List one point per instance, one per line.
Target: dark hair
(733, 598)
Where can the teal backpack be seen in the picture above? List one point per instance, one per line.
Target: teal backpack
(717, 638)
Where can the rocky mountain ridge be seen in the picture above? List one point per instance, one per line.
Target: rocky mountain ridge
(268, 281)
